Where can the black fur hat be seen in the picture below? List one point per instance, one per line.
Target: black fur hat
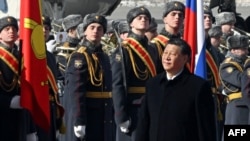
(237, 41)
(71, 21)
(8, 21)
(173, 6)
(95, 18)
(215, 31)
(138, 11)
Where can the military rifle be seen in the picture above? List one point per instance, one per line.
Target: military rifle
(114, 26)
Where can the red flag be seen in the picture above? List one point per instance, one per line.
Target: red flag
(190, 31)
(34, 80)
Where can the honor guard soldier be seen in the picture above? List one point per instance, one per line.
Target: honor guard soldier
(12, 121)
(132, 65)
(64, 50)
(173, 17)
(213, 60)
(231, 75)
(69, 24)
(89, 108)
(226, 20)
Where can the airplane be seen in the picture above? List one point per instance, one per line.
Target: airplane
(57, 9)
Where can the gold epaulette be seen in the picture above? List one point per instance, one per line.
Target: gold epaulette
(247, 61)
(81, 49)
(227, 60)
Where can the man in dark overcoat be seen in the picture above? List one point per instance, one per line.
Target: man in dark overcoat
(178, 105)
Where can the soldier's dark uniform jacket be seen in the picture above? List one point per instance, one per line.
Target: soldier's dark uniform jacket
(231, 74)
(245, 81)
(66, 48)
(127, 99)
(88, 94)
(15, 124)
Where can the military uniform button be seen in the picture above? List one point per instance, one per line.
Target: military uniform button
(111, 121)
(106, 104)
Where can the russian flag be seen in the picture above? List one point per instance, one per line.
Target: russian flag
(194, 34)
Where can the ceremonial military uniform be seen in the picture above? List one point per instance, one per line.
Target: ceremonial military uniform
(15, 122)
(88, 90)
(221, 19)
(231, 74)
(161, 39)
(130, 71)
(66, 48)
(245, 83)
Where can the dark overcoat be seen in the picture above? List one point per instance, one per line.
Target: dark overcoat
(231, 72)
(95, 113)
(15, 124)
(245, 88)
(181, 109)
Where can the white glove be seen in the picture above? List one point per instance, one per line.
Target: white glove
(31, 137)
(15, 102)
(51, 45)
(57, 134)
(124, 126)
(79, 131)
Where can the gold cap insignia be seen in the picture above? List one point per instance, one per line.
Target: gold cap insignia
(78, 64)
(118, 57)
(142, 9)
(176, 4)
(9, 20)
(97, 17)
(229, 69)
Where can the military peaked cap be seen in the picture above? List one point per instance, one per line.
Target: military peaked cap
(132, 13)
(173, 6)
(94, 18)
(8, 21)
